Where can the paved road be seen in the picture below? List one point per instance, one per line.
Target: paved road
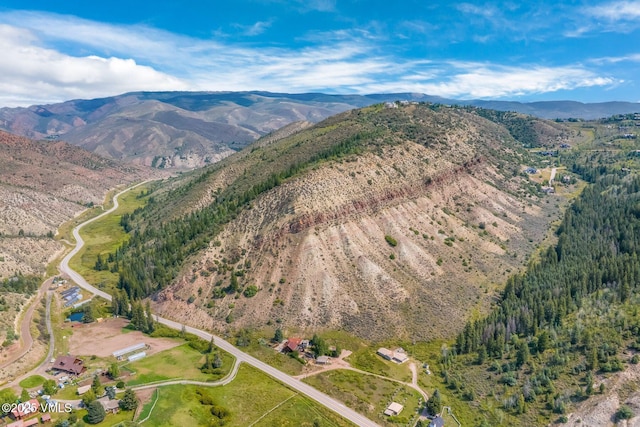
(64, 265)
(240, 356)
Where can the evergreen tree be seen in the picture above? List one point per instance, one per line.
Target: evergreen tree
(129, 401)
(88, 313)
(278, 337)
(95, 412)
(24, 395)
(96, 387)
(111, 392)
(434, 404)
(100, 264)
(149, 319)
(138, 318)
(217, 361)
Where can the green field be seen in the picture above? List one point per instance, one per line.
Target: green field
(248, 397)
(61, 331)
(181, 362)
(104, 236)
(368, 394)
(364, 355)
(32, 381)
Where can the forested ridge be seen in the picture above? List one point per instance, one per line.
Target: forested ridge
(597, 248)
(565, 319)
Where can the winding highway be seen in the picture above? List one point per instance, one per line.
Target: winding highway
(240, 356)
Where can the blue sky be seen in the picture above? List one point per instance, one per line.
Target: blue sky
(526, 51)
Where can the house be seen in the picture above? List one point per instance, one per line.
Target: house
(292, 345)
(83, 389)
(109, 405)
(69, 364)
(323, 360)
(393, 409)
(531, 170)
(548, 190)
(566, 179)
(398, 355)
(25, 409)
(45, 418)
(384, 353)
(437, 422)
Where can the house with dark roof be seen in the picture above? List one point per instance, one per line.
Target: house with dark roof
(69, 364)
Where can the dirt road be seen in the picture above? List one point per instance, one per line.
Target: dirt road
(26, 340)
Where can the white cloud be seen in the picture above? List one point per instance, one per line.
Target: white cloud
(476, 80)
(615, 17)
(634, 57)
(616, 11)
(108, 60)
(34, 74)
(255, 29)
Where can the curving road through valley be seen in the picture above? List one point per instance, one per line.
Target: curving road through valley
(318, 396)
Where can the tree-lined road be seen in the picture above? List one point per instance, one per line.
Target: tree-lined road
(240, 356)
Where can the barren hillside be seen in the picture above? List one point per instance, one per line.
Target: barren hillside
(444, 186)
(43, 184)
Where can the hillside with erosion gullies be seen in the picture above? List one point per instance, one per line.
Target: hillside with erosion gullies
(382, 221)
(43, 184)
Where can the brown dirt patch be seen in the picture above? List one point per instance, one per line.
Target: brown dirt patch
(102, 339)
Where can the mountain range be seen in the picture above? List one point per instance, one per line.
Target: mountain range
(184, 130)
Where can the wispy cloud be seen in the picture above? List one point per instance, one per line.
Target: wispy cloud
(255, 29)
(616, 11)
(479, 80)
(102, 59)
(317, 5)
(615, 17)
(634, 57)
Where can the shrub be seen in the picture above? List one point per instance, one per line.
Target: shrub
(624, 413)
(250, 291)
(391, 241)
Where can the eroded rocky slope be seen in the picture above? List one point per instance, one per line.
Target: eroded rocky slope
(445, 187)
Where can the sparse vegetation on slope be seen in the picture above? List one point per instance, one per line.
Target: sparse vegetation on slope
(424, 175)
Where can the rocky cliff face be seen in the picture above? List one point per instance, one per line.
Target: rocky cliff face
(458, 216)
